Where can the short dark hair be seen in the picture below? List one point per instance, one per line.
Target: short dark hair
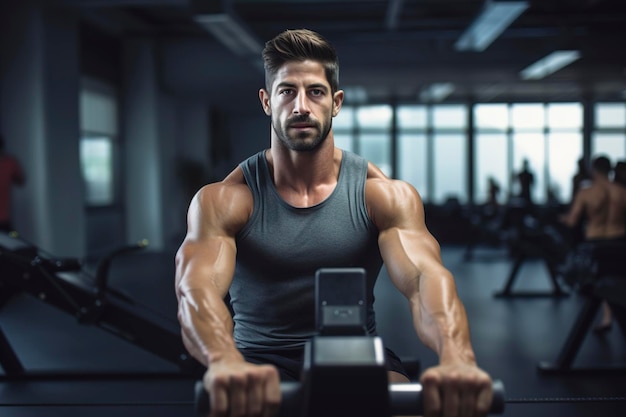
(601, 164)
(299, 45)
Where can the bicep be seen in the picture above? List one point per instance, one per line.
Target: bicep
(408, 248)
(206, 258)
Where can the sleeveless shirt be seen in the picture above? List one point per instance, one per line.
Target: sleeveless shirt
(281, 247)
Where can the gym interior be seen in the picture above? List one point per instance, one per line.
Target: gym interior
(120, 110)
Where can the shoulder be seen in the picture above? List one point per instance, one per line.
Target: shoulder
(389, 199)
(225, 205)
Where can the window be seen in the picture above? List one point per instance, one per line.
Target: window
(99, 130)
(412, 147)
(609, 133)
(491, 149)
(431, 145)
(547, 136)
(96, 156)
(449, 153)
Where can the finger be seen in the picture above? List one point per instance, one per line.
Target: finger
(238, 395)
(467, 402)
(431, 396)
(219, 400)
(255, 395)
(484, 399)
(272, 392)
(451, 400)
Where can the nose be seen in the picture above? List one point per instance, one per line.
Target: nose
(301, 105)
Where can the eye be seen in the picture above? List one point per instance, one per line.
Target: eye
(317, 92)
(286, 92)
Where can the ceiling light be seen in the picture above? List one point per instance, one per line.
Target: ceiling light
(228, 30)
(494, 18)
(549, 64)
(436, 92)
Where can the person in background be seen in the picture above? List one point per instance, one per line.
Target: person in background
(581, 178)
(619, 173)
(602, 206)
(260, 234)
(11, 174)
(526, 180)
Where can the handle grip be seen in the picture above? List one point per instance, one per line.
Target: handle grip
(405, 399)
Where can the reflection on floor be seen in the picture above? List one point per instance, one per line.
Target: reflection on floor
(510, 335)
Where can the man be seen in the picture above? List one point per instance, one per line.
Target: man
(261, 233)
(526, 181)
(11, 173)
(603, 207)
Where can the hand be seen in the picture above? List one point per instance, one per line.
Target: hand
(241, 389)
(456, 391)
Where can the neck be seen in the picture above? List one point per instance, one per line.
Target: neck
(304, 179)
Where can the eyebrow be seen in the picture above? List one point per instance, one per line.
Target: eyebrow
(319, 86)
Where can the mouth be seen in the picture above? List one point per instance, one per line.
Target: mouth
(301, 126)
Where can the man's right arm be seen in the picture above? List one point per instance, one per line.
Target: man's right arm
(205, 264)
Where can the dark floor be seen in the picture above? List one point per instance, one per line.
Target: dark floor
(511, 337)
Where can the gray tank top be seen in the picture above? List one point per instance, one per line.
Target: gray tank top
(280, 248)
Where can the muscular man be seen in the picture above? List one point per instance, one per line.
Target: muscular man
(602, 205)
(260, 234)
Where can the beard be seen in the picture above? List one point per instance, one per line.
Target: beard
(304, 141)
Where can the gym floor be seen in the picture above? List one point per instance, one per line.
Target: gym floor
(511, 337)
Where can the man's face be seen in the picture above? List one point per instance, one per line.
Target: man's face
(301, 105)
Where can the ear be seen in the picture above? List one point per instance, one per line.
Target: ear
(337, 102)
(264, 97)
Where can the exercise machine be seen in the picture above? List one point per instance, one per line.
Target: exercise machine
(344, 369)
(535, 240)
(65, 285)
(597, 273)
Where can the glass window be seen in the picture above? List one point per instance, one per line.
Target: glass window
(612, 145)
(378, 117)
(412, 117)
(490, 159)
(98, 109)
(99, 129)
(491, 117)
(376, 147)
(344, 119)
(413, 161)
(565, 116)
(450, 168)
(564, 151)
(449, 116)
(344, 141)
(96, 156)
(610, 115)
(527, 116)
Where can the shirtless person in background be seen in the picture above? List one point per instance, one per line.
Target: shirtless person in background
(603, 205)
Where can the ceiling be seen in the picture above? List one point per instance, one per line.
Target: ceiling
(394, 49)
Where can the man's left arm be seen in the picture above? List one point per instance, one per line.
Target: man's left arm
(412, 256)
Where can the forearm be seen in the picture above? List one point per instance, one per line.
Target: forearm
(440, 319)
(206, 326)
(203, 275)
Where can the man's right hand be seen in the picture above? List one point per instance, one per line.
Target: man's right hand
(242, 389)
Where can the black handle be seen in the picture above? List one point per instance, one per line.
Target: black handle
(406, 399)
